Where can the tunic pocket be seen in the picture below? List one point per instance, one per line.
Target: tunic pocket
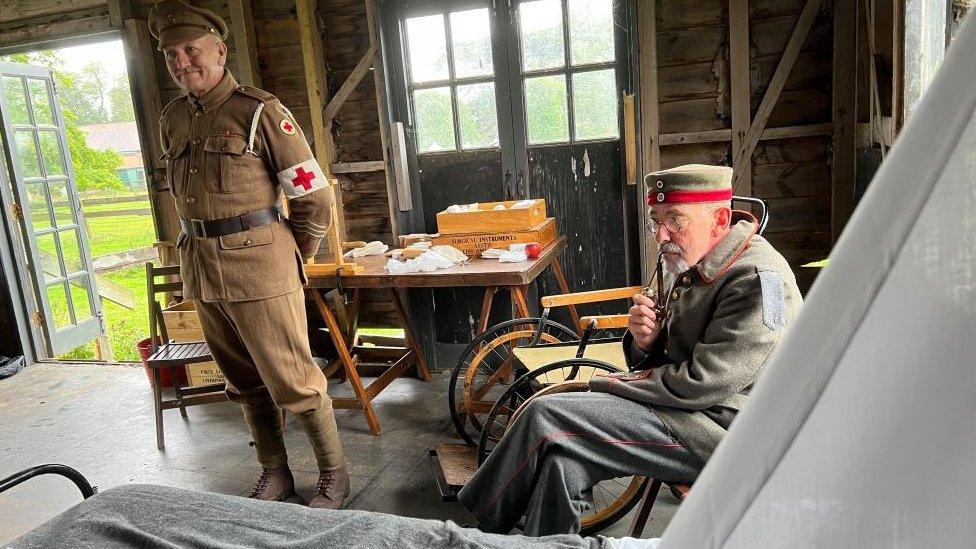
(232, 170)
(251, 238)
(175, 159)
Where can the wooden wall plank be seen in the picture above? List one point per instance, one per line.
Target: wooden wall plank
(650, 121)
(844, 90)
(245, 42)
(741, 97)
(790, 53)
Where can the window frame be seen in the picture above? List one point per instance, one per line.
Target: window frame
(453, 81)
(568, 70)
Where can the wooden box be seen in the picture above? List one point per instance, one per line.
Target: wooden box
(183, 324)
(473, 244)
(488, 220)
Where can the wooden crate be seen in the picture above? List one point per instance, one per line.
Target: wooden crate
(473, 244)
(488, 220)
(183, 324)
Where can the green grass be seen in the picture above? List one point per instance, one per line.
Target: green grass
(125, 327)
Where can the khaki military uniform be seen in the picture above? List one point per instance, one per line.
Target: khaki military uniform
(233, 151)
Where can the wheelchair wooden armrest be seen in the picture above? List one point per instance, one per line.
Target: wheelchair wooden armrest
(603, 322)
(593, 296)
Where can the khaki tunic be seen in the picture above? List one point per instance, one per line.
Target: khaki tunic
(727, 315)
(233, 151)
(217, 169)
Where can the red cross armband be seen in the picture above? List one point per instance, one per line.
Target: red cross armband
(302, 178)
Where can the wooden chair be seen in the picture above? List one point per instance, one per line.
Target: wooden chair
(172, 355)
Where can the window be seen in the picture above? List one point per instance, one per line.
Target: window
(451, 79)
(568, 70)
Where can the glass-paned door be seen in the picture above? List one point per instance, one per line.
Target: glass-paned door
(45, 195)
(511, 99)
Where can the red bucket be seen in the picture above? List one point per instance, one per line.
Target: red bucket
(145, 350)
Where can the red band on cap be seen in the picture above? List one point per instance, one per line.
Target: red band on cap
(689, 196)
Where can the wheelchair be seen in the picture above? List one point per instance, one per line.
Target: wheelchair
(518, 360)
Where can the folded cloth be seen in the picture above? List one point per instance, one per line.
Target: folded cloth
(523, 204)
(492, 253)
(373, 248)
(426, 262)
(512, 257)
(451, 253)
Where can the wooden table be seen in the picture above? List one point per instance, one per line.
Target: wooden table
(515, 277)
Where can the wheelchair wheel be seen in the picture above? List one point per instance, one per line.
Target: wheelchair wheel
(486, 367)
(612, 499)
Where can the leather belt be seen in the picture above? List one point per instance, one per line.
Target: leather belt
(211, 228)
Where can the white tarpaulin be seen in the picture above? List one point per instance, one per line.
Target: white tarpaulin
(862, 431)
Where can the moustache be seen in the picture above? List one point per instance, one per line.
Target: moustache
(671, 248)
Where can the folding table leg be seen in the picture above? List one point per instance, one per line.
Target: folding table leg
(520, 301)
(486, 309)
(564, 288)
(422, 371)
(338, 338)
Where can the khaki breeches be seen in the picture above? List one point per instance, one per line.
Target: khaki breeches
(262, 346)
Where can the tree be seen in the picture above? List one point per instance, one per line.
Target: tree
(83, 93)
(120, 101)
(94, 169)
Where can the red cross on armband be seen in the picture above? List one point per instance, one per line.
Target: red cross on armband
(301, 179)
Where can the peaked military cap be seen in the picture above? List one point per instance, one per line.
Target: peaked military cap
(689, 183)
(174, 21)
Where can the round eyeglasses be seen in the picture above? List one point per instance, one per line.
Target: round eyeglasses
(673, 223)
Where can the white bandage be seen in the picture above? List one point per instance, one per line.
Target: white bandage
(301, 179)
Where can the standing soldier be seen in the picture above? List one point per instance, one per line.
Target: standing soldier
(231, 151)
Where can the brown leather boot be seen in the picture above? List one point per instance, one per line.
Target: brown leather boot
(275, 485)
(331, 489)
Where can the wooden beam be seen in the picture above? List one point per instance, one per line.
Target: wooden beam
(355, 77)
(630, 139)
(51, 30)
(140, 54)
(844, 97)
(245, 42)
(19, 10)
(649, 119)
(776, 83)
(718, 136)
(382, 114)
(358, 167)
(313, 59)
(118, 12)
(740, 92)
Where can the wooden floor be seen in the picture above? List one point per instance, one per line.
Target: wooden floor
(98, 419)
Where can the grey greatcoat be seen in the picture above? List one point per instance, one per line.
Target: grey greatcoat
(727, 315)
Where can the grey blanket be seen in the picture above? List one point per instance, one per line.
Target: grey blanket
(158, 516)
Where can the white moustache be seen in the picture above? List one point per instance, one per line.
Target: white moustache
(670, 248)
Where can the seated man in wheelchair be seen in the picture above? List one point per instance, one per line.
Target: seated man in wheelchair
(694, 353)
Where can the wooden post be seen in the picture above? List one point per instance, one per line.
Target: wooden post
(649, 121)
(382, 114)
(140, 52)
(844, 109)
(245, 42)
(776, 83)
(740, 92)
(313, 58)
